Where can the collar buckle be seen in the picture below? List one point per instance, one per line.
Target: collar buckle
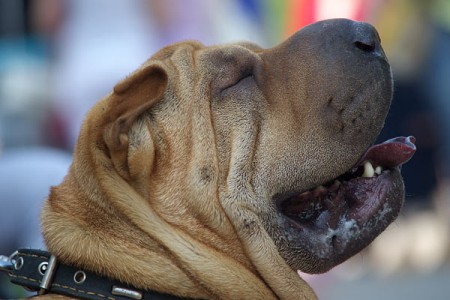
(49, 271)
(10, 263)
(6, 264)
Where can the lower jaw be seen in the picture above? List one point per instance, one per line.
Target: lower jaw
(355, 227)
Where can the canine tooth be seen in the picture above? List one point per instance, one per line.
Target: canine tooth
(378, 170)
(304, 195)
(368, 170)
(319, 191)
(335, 186)
(320, 188)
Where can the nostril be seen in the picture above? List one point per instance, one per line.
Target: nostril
(365, 46)
(365, 38)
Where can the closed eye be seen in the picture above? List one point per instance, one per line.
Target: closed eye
(245, 84)
(241, 79)
(250, 75)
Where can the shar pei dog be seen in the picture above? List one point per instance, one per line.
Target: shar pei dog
(218, 172)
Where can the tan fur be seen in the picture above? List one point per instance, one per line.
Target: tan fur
(173, 178)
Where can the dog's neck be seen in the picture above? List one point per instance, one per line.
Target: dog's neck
(89, 234)
(95, 236)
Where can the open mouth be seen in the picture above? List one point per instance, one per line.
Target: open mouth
(356, 195)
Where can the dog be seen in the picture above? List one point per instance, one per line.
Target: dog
(218, 172)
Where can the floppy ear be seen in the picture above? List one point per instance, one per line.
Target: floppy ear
(131, 98)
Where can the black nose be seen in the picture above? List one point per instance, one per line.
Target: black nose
(366, 39)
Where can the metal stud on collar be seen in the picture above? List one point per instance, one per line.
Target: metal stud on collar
(42, 268)
(132, 294)
(79, 277)
(18, 264)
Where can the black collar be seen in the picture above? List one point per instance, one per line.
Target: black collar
(39, 271)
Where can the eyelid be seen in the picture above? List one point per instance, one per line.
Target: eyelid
(245, 77)
(242, 77)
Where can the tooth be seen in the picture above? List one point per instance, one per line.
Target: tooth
(319, 191)
(335, 186)
(305, 195)
(368, 170)
(320, 188)
(378, 170)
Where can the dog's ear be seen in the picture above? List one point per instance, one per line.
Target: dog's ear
(131, 98)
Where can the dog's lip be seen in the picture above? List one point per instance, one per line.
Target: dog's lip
(390, 154)
(325, 206)
(340, 232)
(351, 200)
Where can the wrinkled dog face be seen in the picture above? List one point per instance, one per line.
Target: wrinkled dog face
(277, 142)
(298, 116)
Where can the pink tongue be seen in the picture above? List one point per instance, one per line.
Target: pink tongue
(392, 153)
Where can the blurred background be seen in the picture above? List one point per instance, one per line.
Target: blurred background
(58, 57)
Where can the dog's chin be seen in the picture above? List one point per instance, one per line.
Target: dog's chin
(322, 227)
